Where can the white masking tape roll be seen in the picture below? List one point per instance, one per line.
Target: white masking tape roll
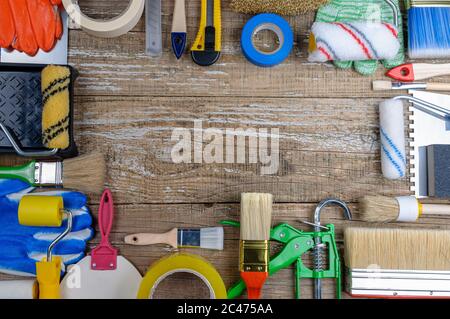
(18, 289)
(408, 209)
(115, 27)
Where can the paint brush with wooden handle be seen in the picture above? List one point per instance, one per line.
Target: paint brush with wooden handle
(388, 85)
(382, 209)
(207, 238)
(256, 215)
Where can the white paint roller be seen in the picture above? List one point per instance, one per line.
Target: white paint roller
(392, 137)
(392, 132)
(355, 41)
(18, 289)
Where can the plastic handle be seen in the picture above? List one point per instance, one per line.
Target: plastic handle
(23, 172)
(254, 282)
(105, 217)
(48, 276)
(104, 256)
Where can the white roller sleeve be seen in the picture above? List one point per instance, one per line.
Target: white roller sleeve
(392, 139)
(354, 41)
(408, 209)
(106, 28)
(18, 289)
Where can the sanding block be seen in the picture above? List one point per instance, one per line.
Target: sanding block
(438, 165)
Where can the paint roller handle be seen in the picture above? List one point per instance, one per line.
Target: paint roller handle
(23, 172)
(435, 209)
(169, 238)
(104, 256)
(48, 276)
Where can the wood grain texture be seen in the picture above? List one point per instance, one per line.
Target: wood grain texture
(328, 147)
(128, 104)
(119, 66)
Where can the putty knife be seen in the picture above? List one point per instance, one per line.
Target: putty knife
(103, 274)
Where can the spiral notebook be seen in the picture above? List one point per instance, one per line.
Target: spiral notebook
(425, 130)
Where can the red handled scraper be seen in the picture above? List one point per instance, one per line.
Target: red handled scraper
(418, 71)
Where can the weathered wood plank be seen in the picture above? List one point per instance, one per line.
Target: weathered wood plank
(119, 66)
(328, 147)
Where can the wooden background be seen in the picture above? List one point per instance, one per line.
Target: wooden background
(127, 105)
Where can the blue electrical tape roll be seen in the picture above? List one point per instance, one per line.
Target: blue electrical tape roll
(272, 22)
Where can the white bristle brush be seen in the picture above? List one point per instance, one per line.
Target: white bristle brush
(382, 209)
(397, 263)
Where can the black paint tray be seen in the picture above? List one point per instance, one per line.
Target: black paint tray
(21, 112)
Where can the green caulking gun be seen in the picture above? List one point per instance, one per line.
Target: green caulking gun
(298, 242)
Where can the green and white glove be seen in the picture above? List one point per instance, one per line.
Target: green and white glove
(360, 11)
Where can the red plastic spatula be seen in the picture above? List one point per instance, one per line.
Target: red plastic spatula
(104, 256)
(418, 71)
(104, 274)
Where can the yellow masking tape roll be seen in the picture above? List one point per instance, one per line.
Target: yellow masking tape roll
(182, 263)
(106, 28)
(41, 210)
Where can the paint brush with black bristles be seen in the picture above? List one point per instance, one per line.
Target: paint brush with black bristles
(84, 173)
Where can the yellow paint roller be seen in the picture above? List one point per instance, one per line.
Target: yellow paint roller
(46, 211)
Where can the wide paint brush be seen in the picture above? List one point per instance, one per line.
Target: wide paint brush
(256, 215)
(85, 173)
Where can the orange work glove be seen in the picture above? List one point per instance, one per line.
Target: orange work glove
(36, 25)
(7, 27)
(46, 23)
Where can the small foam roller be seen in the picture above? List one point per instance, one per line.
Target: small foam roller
(392, 139)
(55, 82)
(41, 210)
(352, 41)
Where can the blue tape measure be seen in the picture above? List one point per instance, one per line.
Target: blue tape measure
(274, 23)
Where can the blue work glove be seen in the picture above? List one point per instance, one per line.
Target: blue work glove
(21, 246)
